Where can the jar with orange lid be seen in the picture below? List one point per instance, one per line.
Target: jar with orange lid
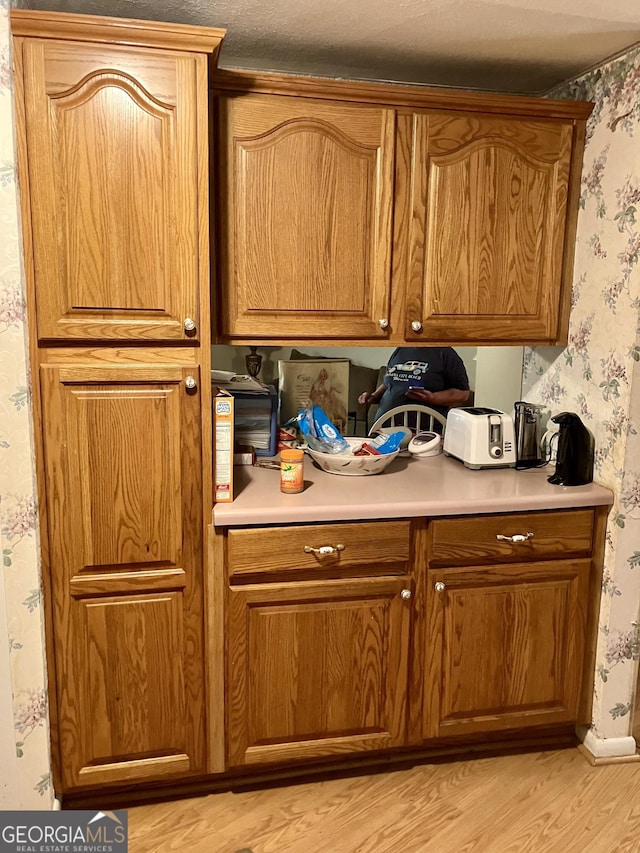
(291, 471)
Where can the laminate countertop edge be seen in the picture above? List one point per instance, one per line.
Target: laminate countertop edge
(408, 488)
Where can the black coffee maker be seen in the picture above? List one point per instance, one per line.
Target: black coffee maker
(574, 455)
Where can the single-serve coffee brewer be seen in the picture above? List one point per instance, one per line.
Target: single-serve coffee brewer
(575, 454)
(528, 435)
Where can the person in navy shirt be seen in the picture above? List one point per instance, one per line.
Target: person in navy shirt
(431, 376)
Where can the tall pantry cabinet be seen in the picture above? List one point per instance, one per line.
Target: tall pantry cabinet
(113, 167)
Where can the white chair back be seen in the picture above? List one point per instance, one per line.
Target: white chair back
(425, 418)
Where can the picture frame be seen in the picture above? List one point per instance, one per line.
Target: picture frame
(323, 382)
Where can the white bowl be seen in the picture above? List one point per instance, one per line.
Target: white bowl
(349, 465)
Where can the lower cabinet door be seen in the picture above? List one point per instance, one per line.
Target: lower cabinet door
(317, 668)
(123, 470)
(505, 646)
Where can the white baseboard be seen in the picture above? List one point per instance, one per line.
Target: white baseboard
(611, 747)
(57, 804)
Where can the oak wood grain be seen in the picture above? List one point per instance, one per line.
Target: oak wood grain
(36, 404)
(215, 657)
(108, 31)
(485, 193)
(125, 483)
(569, 248)
(402, 95)
(472, 540)
(537, 802)
(125, 537)
(318, 178)
(377, 548)
(316, 668)
(593, 612)
(506, 646)
(486, 236)
(123, 262)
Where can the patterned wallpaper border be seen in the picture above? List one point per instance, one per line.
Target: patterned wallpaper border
(598, 374)
(21, 592)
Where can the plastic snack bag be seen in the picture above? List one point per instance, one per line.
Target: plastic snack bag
(319, 432)
(381, 444)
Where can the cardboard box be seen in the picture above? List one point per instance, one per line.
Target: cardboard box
(223, 415)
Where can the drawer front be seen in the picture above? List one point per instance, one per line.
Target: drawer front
(380, 547)
(479, 540)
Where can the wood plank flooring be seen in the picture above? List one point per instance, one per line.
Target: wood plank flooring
(546, 802)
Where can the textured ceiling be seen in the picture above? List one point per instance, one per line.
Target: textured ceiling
(524, 46)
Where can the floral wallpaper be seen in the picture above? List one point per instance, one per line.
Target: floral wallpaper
(25, 783)
(598, 374)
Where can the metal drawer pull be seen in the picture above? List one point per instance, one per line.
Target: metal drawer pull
(439, 587)
(323, 550)
(516, 538)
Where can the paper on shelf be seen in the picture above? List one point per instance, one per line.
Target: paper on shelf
(239, 382)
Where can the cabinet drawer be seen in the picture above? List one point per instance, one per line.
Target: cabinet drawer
(477, 540)
(380, 547)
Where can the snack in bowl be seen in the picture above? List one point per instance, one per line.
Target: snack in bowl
(348, 464)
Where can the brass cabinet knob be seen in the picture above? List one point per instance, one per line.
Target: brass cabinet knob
(405, 594)
(416, 325)
(189, 325)
(440, 587)
(383, 323)
(190, 383)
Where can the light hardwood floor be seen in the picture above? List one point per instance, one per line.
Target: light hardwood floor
(547, 802)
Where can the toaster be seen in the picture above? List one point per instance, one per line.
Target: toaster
(480, 437)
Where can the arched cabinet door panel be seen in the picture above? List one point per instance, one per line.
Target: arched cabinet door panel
(112, 162)
(305, 230)
(123, 470)
(487, 227)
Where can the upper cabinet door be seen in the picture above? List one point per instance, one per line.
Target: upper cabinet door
(113, 166)
(486, 209)
(305, 229)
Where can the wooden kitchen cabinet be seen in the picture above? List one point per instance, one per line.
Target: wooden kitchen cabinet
(317, 668)
(123, 477)
(486, 202)
(321, 633)
(112, 126)
(506, 622)
(305, 217)
(115, 155)
(470, 197)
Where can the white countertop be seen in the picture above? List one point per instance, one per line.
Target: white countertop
(409, 487)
